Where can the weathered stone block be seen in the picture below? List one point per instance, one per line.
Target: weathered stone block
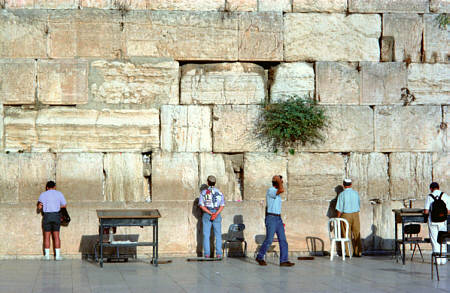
(1, 127)
(406, 30)
(80, 176)
(9, 187)
(234, 128)
(275, 5)
(383, 225)
(145, 82)
(314, 175)
(410, 175)
(350, 129)
(291, 79)
(19, 4)
(17, 81)
(369, 173)
(35, 169)
(355, 37)
(429, 83)
(259, 168)
(223, 83)
(182, 35)
(174, 176)
(85, 33)
(242, 5)
(56, 4)
(221, 166)
(382, 82)
(440, 6)
(261, 36)
(406, 6)
(23, 34)
(186, 128)
(63, 82)
(436, 40)
(412, 128)
(441, 173)
(104, 4)
(199, 5)
(320, 6)
(88, 130)
(338, 83)
(124, 177)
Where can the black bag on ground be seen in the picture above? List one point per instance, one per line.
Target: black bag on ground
(439, 210)
(65, 218)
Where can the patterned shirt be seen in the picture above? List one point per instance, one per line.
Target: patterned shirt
(211, 198)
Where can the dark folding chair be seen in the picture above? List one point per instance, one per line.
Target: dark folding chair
(235, 235)
(414, 229)
(442, 238)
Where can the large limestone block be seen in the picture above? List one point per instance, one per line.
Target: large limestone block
(436, 40)
(410, 175)
(234, 128)
(261, 36)
(223, 83)
(186, 128)
(290, 79)
(429, 83)
(440, 6)
(9, 187)
(369, 173)
(406, 31)
(383, 225)
(182, 35)
(241, 5)
(144, 82)
(353, 37)
(410, 128)
(23, 34)
(275, 5)
(79, 176)
(259, 168)
(320, 6)
(350, 129)
(174, 176)
(198, 5)
(405, 6)
(1, 127)
(17, 81)
(441, 172)
(103, 4)
(124, 177)
(62, 82)
(382, 82)
(87, 130)
(315, 176)
(338, 83)
(35, 169)
(85, 33)
(221, 166)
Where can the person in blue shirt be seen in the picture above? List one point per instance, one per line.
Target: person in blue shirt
(274, 224)
(348, 207)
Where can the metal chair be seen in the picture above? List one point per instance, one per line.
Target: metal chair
(334, 232)
(414, 229)
(442, 238)
(235, 235)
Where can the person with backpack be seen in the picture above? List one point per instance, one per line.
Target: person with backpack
(437, 205)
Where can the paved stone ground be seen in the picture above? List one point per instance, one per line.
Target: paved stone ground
(366, 274)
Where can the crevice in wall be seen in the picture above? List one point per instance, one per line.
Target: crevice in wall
(237, 161)
(105, 175)
(389, 174)
(147, 173)
(264, 64)
(380, 39)
(422, 45)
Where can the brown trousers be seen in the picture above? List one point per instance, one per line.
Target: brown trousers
(354, 233)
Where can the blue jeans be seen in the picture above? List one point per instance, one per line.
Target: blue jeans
(217, 226)
(274, 224)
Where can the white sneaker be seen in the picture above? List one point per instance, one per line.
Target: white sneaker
(46, 257)
(442, 261)
(59, 258)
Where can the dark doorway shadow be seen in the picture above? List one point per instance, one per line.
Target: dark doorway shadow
(315, 246)
(234, 240)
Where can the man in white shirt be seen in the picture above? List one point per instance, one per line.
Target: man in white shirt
(435, 227)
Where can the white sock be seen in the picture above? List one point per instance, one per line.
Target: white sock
(57, 252)
(47, 251)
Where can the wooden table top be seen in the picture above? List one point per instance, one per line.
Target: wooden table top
(128, 214)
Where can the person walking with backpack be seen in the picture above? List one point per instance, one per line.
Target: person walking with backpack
(437, 205)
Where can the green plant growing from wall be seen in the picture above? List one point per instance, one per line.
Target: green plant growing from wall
(291, 122)
(443, 20)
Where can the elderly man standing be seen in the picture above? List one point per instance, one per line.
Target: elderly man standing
(212, 202)
(274, 224)
(348, 207)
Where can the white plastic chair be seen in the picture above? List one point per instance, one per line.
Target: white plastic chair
(334, 232)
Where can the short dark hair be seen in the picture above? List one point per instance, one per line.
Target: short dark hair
(346, 184)
(434, 185)
(50, 184)
(211, 183)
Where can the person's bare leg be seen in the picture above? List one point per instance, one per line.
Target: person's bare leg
(56, 240)
(47, 240)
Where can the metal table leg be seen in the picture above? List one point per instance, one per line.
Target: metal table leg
(101, 244)
(156, 242)
(395, 240)
(403, 242)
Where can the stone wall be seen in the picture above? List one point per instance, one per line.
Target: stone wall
(132, 104)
